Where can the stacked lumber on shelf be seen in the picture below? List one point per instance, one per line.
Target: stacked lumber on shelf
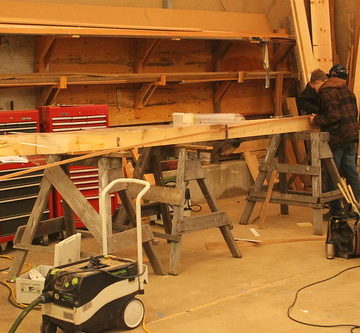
(73, 19)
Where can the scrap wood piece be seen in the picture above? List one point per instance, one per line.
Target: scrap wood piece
(245, 243)
(264, 207)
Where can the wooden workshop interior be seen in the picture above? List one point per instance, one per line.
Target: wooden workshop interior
(197, 98)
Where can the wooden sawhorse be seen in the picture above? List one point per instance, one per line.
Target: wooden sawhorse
(109, 168)
(188, 168)
(274, 160)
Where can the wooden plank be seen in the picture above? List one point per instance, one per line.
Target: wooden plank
(264, 207)
(104, 165)
(193, 22)
(77, 202)
(252, 164)
(175, 249)
(316, 182)
(196, 223)
(321, 34)
(307, 62)
(278, 96)
(46, 227)
(291, 168)
(252, 145)
(114, 139)
(53, 79)
(31, 226)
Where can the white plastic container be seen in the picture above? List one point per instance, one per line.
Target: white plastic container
(27, 289)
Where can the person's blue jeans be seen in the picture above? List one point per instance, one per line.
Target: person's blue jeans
(345, 160)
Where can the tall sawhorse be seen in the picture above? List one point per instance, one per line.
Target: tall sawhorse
(188, 168)
(274, 160)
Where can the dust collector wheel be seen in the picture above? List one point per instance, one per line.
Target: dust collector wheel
(132, 313)
(48, 327)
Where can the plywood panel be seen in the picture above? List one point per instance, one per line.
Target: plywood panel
(248, 98)
(99, 55)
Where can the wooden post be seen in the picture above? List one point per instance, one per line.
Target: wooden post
(316, 181)
(175, 251)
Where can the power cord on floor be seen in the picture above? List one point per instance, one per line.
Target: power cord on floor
(353, 326)
(144, 326)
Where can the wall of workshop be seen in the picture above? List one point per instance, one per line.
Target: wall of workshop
(16, 56)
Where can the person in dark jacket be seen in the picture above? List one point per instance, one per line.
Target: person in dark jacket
(339, 116)
(308, 101)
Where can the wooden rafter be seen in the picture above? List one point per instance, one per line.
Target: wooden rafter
(283, 49)
(144, 49)
(45, 47)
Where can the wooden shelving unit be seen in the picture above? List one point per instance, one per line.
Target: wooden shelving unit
(147, 63)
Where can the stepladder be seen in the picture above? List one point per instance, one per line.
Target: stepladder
(275, 160)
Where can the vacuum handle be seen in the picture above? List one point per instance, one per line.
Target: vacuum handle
(103, 213)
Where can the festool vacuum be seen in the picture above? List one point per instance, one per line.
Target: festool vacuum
(98, 293)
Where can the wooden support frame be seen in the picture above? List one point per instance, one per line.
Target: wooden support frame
(221, 90)
(44, 49)
(314, 199)
(220, 49)
(144, 49)
(146, 91)
(283, 48)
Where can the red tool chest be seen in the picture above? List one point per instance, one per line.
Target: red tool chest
(74, 118)
(18, 194)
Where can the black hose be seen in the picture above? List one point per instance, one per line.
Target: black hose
(24, 313)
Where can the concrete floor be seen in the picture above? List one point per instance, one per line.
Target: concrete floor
(216, 293)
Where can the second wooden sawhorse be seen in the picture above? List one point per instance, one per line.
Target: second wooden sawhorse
(275, 161)
(188, 169)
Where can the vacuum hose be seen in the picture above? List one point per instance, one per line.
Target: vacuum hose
(41, 299)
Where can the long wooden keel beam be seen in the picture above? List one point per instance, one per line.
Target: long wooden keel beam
(120, 138)
(113, 140)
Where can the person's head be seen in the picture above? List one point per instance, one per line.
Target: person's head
(317, 78)
(338, 71)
